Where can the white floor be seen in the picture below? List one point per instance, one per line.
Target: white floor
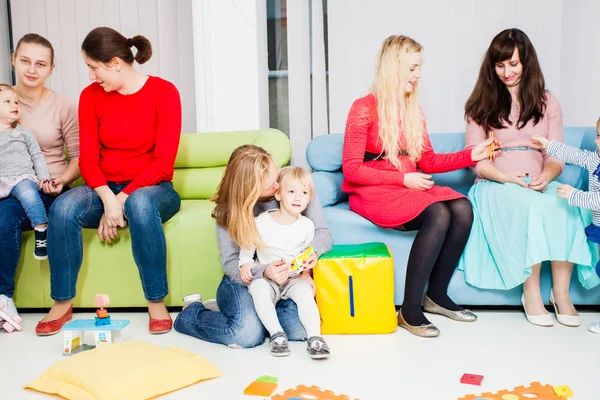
(502, 346)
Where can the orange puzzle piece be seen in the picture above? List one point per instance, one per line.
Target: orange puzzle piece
(535, 388)
(312, 392)
(260, 388)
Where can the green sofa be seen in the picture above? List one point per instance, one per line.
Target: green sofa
(192, 255)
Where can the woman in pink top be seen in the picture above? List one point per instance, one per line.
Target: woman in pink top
(53, 120)
(518, 219)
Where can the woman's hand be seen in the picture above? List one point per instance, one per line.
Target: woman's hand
(53, 187)
(418, 181)
(539, 183)
(480, 151)
(106, 232)
(113, 211)
(277, 271)
(564, 191)
(540, 142)
(515, 177)
(306, 276)
(246, 272)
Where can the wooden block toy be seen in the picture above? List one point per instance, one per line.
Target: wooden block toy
(260, 388)
(564, 391)
(303, 392)
(535, 390)
(471, 379)
(10, 323)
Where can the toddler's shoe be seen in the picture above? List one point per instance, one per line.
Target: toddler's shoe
(191, 298)
(41, 245)
(9, 307)
(278, 344)
(317, 348)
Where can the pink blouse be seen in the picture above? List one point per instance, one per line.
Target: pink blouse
(515, 160)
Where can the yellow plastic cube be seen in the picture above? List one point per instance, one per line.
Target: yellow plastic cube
(563, 391)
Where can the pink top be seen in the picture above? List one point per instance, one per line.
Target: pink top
(54, 122)
(524, 161)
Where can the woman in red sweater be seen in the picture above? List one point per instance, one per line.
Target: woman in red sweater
(130, 125)
(389, 190)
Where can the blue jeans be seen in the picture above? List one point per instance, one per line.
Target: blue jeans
(29, 195)
(13, 220)
(237, 325)
(146, 209)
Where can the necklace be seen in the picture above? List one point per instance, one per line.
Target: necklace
(34, 106)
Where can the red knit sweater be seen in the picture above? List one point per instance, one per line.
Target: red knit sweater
(375, 188)
(129, 138)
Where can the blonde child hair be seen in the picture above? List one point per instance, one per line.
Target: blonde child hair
(598, 126)
(295, 174)
(389, 90)
(5, 87)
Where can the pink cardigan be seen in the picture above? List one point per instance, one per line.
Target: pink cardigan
(524, 161)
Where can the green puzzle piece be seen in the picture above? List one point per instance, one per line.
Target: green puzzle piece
(267, 378)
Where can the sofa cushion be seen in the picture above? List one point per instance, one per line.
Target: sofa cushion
(328, 185)
(324, 153)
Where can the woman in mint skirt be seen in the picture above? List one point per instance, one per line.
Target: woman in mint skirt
(519, 221)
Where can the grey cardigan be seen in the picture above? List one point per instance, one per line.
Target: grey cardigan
(230, 251)
(20, 154)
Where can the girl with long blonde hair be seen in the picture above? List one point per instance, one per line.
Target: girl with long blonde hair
(247, 189)
(386, 160)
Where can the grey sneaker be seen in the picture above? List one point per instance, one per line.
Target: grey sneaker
(279, 348)
(212, 305)
(317, 348)
(191, 298)
(9, 306)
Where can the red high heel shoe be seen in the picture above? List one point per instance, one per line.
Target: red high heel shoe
(159, 326)
(48, 328)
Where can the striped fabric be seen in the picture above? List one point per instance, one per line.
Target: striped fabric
(588, 160)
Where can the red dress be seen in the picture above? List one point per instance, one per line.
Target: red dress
(376, 187)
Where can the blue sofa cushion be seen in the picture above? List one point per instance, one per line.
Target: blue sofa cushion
(324, 153)
(329, 187)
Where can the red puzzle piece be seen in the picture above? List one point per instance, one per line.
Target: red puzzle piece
(471, 379)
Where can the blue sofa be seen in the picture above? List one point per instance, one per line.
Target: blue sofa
(324, 155)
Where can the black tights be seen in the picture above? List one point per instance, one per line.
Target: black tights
(443, 231)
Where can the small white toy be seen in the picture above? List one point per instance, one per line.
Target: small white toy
(74, 341)
(10, 323)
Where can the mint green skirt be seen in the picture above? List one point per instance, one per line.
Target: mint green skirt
(515, 228)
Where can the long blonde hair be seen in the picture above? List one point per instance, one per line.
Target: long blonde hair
(388, 88)
(239, 191)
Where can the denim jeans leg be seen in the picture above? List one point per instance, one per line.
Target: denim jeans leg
(287, 312)
(28, 193)
(146, 209)
(78, 208)
(13, 220)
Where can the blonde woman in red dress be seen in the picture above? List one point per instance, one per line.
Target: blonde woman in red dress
(387, 160)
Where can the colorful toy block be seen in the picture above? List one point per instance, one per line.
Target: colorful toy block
(267, 378)
(297, 263)
(355, 289)
(73, 334)
(471, 379)
(10, 322)
(260, 388)
(563, 391)
(309, 392)
(534, 390)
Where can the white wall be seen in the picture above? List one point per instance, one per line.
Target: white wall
(65, 23)
(230, 47)
(455, 35)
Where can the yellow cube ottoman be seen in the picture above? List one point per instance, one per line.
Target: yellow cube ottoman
(355, 289)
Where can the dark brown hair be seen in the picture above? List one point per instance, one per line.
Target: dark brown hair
(490, 102)
(5, 87)
(103, 44)
(34, 38)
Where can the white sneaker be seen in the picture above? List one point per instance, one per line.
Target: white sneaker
(191, 298)
(9, 306)
(212, 305)
(595, 327)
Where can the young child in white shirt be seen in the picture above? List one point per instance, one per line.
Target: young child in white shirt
(285, 233)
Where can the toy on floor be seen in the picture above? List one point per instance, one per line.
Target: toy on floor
(102, 317)
(263, 386)
(297, 263)
(563, 391)
(534, 390)
(10, 322)
(309, 393)
(471, 379)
